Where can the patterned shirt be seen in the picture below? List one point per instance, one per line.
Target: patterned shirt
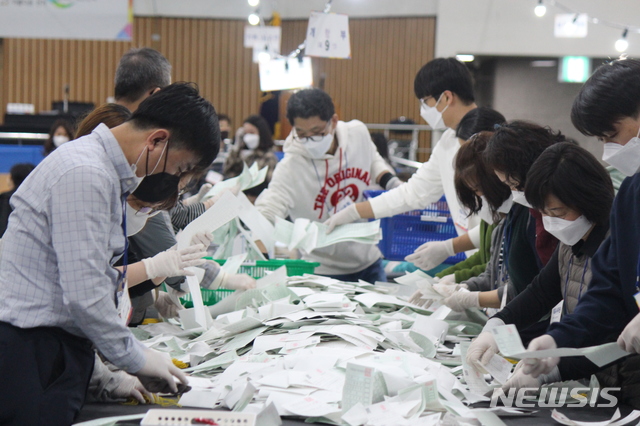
(64, 235)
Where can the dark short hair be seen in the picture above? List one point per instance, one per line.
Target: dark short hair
(49, 146)
(442, 74)
(111, 115)
(266, 138)
(575, 177)
(308, 103)
(19, 172)
(610, 94)
(190, 119)
(478, 120)
(515, 146)
(469, 167)
(140, 71)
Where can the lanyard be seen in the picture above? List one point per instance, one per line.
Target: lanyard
(506, 245)
(125, 255)
(566, 282)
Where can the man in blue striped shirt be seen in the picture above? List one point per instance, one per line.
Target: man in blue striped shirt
(58, 288)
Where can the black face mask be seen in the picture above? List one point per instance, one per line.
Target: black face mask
(224, 134)
(158, 187)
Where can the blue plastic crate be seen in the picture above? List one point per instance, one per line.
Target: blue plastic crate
(404, 233)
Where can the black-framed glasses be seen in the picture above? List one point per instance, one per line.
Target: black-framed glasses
(312, 138)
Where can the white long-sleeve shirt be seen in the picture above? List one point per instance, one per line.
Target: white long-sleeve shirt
(302, 187)
(426, 186)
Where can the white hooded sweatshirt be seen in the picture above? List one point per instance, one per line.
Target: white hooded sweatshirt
(302, 187)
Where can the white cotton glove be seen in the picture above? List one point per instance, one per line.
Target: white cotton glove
(130, 387)
(447, 290)
(629, 340)
(172, 263)
(482, 349)
(448, 279)
(157, 374)
(537, 366)
(431, 254)
(519, 380)
(463, 299)
(239, 282)
(204, 238)
(394, 182)
(165, 306)
(347, 215)
(196, 198)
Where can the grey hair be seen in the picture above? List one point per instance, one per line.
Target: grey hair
(140, 71)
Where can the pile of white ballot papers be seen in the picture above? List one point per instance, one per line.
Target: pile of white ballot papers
(333, 352)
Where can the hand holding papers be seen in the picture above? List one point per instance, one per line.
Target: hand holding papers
(249, 178)
(510, 345)
(309, 236)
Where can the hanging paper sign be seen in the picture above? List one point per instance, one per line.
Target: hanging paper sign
(571, 25)
(260, 36)
(285, 74)
(328, 36)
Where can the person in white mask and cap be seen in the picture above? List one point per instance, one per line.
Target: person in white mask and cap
(444, 87)
(608, 107)
(327, 166)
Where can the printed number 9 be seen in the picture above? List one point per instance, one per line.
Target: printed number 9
(326, 45)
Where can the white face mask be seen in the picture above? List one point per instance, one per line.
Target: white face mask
(518, 197)
(251, 140)
(567, 231)
(485, 212)
(136, 220)
(317, 150)
(432, 116)
(625, 158)
(60, 139)
(506, 206)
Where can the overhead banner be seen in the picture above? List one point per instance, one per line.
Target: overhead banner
(67, 19)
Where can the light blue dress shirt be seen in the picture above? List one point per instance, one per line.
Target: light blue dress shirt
(64, 235)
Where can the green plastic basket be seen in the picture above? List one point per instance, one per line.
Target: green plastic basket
(256, 269)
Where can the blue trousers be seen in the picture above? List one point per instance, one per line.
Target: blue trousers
(370, 274)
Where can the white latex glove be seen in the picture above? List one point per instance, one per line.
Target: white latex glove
(448, 279)
(130, 387)
(482, 349)
(165, 306)
(157, 374)
(519, 380)
(204, 238)
(461, 300)
(394, 182)
(416, 299)
(347, 215)
(537, 366)
(196, 198)
(431, 254)
(239, 282)
(629, 340)
(447, 290)
(172, 263)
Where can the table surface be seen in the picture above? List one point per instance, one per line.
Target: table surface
(542, 417)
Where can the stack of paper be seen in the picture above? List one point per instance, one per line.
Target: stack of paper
(308, 236)
(249, 178)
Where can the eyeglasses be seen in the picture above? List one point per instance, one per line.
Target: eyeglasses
(312, 138)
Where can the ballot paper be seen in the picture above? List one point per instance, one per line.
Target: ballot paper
(498, 367)
(249, 178)
(473, 377)
(233, 263)
(510, 345)
(219, 214)
(308, 236)
(614, 421)
(261, 228)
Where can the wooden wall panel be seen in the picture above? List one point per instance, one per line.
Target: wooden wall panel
(375, 86)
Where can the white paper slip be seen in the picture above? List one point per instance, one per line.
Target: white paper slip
(279, 276)
(308, 236)
(473, 377)
(232, 264)
(614, 421)
(310, 407)
(413, 278)
(200, 398)
(510, 345)
(249, 178)
(498, 367)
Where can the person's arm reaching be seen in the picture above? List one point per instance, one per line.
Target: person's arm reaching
(276, 200)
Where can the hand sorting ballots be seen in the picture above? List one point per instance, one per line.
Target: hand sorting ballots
(158, 372)
(347, 215)
(172, 262)
(431, 254)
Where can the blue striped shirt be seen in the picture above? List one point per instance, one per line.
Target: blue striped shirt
(64, 235)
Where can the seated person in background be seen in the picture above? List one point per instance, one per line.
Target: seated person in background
(574, 193)
(61, 132)
(17, 174)
(327, 166)
(254, 144)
